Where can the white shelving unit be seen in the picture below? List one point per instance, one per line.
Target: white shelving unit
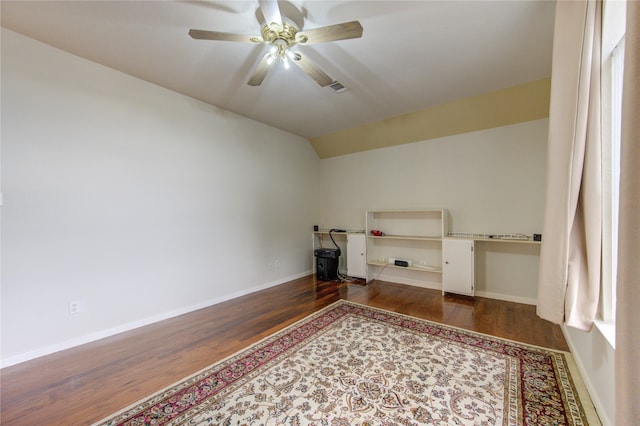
(411, 235)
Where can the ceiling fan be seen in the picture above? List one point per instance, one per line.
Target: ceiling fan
(282, 35)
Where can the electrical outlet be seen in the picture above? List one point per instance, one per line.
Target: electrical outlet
(74, 307)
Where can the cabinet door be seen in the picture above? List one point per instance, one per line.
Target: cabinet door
(458, 266)
(356, 255)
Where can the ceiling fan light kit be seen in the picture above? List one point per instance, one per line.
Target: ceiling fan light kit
(281, 42)
(281, 35)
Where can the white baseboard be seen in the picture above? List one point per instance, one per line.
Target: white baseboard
(438, 286)
(507, 297)
(47, 350)
(92, 337)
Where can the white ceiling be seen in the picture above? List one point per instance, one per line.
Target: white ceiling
(413, 54)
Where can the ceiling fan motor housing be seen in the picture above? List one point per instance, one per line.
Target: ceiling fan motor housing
(272, 33)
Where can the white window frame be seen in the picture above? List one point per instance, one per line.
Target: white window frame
(614, 16)
(611, 183)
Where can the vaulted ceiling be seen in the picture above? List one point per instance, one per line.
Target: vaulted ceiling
(412, 55)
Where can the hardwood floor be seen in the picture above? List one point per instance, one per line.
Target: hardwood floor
(84, 384)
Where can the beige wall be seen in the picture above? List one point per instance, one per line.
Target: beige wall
(501, 108)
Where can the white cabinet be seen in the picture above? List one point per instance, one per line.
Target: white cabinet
(458, 266)
(412, 236)
(356, 255)
(353, 250)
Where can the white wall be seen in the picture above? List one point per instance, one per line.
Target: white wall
(491, 181)
(136, 201)
(595, 359)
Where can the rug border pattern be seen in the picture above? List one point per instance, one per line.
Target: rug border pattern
(220, 375)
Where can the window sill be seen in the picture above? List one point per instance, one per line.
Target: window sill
(608, 331)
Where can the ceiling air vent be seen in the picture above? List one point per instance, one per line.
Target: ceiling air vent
(337, 87)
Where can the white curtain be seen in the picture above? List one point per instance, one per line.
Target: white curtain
(627, 362)
(569, 277)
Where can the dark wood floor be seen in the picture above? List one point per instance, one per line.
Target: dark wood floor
(85, 384)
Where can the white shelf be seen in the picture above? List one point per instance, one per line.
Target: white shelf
(420, 268)
(499, 240)
(410, 234)
(405, 237)
(348, 231)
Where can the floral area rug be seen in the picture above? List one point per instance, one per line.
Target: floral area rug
(355, 365)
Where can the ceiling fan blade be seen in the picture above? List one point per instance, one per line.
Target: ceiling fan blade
(217, 35)
(343, 31)
(260, 72)
(312, 70)
(271, 12)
